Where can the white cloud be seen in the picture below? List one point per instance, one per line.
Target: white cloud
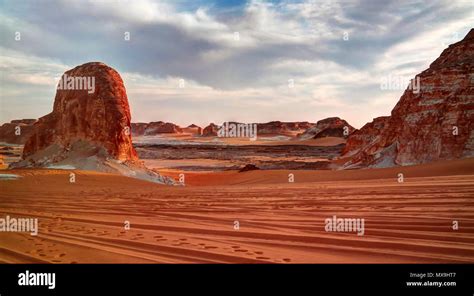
(225, 78)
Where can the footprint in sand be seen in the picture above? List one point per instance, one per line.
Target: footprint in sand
(210, 247)
(138, 236)
(104, 233)
(259, 253)
(238, 249)
(287, 259)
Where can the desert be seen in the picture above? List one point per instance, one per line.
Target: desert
(279, 222)
(106, 189)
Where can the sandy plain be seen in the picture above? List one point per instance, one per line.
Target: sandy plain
(279, 221)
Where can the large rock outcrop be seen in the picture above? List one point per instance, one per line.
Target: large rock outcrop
(155, 128)
(193, 130)
(101, 118)
(429, 124)
(210, 130)
(138, 128)
(328, 127)
(272, 128)
(17, 131)
(89, 128)
(282, 128)
(160, 127)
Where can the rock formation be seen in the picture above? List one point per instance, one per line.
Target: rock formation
(210, 130)
(155, 128)
(282, 128)
(434, 123)
(87, 130)
(328, 127)
(269, 128)
(138, 128)
(161, 127)
(17, 131)
(248, 167)
(366, 135)
(193, 130)
(101, 118)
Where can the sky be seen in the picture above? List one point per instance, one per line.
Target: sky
(214, 61)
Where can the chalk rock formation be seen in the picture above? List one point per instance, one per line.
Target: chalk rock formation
(210, 130)
(282, 128)
(89, 128)
(101, 118)
(155, 128)
(328, 127)
(17, 131)
(269, 128)
(432, 123)
(193, 130)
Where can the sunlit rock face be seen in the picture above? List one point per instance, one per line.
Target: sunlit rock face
(328, 127)
(434, 122)
(95, 111)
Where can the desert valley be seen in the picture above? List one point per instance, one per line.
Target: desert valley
(106, 189)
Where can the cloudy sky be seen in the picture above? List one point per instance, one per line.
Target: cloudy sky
(248, 61)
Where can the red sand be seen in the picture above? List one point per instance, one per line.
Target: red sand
(280, 222)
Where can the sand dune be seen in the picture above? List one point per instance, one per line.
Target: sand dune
(279, 222)
(259, 177)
